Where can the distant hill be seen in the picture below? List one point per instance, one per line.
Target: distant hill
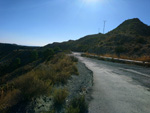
(7, 51)
(12, 53)
(131, 38)
(6, 48)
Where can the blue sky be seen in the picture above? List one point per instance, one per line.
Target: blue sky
(39, 22)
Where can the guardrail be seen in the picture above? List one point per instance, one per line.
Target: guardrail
(118, 60)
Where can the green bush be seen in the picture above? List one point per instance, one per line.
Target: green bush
(57, 49)
(48, 53)
(16, 62)
(34, 55)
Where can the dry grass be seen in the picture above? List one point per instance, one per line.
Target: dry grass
(31, 86)
(62, 67)
(77, 105)
(110, 55)
(143, 58)
(9, 98)
(59, 97)
(71, 109)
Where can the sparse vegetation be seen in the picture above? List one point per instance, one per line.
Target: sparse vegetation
(31, 86)
(48, 53)
(77, 105)
(57, 49)
(131, 38)
(74, 59)
(34, 55)
(71, 109)
(143, 58)
(59, 97)
(119, 50)
(63, 67)
(17, 62)
(39, 81)
(9, 98)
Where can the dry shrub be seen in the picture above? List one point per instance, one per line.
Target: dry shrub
(63, 68)
(110, 55)
(71, 109)
(43, 72)
(9, 99)
(52, 111)
(31, 86)
(78, 105)
(57, 57)
(59, 97)
(144, 58)
(74, 59)
(39, 82)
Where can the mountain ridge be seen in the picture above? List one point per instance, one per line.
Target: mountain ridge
(132, 37)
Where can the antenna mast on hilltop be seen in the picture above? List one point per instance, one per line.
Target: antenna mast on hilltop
(104, 27)
(98, 30)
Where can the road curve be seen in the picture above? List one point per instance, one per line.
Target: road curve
(115, 90)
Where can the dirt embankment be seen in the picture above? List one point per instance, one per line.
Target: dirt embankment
(76, 85)
(82, 83)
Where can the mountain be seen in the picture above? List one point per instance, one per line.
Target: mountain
(131, 38)
(132, 27)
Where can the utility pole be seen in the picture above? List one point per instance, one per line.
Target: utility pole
(98, 30)
(104, 27)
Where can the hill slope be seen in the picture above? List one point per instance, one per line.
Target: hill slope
(131, 38)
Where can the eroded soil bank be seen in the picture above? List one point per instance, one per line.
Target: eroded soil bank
(77, 85)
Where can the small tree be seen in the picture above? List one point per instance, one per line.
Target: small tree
(48, 53)
(17, 62)
(57, 49)
(119, 50)
(34, 55)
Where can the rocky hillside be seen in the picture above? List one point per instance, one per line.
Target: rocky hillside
(131, 38)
